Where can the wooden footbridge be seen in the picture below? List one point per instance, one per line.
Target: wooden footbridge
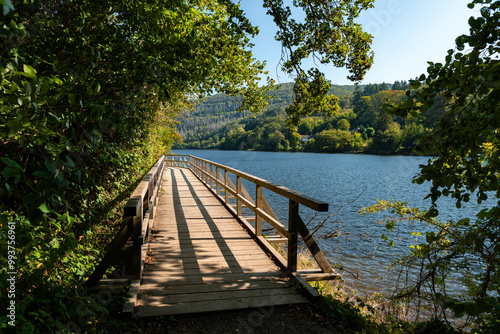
(198, 242)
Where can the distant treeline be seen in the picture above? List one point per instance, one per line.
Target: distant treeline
(360, 126)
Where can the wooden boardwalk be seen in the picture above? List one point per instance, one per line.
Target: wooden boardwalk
(202, 259)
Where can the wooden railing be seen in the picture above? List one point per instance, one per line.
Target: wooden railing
(219, 179)
(138, 218)
(140, 210)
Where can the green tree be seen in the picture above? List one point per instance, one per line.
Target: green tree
(89, 91)
(337, 141)
(295, 140)
(327, 33)
(388, 140)
(306, 126)
(412, 132)
(365, 111)
(343, 124)
(467, 166)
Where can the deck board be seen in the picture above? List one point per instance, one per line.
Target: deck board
(201, 259)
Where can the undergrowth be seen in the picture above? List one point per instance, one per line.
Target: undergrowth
(372, 314)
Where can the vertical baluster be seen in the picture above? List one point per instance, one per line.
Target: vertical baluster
(258, 204)
(293, 216)
(217, 187)
(226, 184)
(210, 175)
(137, 241)
(204, 171)
(238, 194)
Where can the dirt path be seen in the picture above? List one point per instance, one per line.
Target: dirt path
(293, 319)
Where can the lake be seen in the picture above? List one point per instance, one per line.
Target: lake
(347, 182)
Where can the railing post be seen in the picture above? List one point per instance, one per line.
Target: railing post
(226, 186)
(210, 178)
(238, 194)
(137, 242)
(293, 216)
(258, 204)
(213, 177)
(205, 178)
(217, 187)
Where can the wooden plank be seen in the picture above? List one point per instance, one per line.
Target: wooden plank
(169, 263)
(154, 299)
(253, 257)
(281, 260)
(219, 305)
(293, 217)
(204, 245)
(301, 281)
(180, 266)
(273, 222)
(276, 240)
(318, 275)
(159, 289)
(174, 252)
(209, 278)
(224, 234)
(173, 229)
(216, 270)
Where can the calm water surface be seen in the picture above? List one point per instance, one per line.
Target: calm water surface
(340, 179)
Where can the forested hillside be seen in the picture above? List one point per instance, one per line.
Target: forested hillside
(361, 125)
(213, 112)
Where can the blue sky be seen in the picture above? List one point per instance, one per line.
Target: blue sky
(407, 34)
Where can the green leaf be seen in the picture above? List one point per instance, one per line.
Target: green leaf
(9, 172)
(71, 241)
(43, 207)
(41, 174)
(29, 71)
(71, 220)
(50, 166)
(10, 162)
(71, 163)
(7, 7)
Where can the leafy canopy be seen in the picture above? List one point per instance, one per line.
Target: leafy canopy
(328, 34)
(467, 144)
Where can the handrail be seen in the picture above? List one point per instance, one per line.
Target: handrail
(216, 178)
(283, 191)
(138, 217)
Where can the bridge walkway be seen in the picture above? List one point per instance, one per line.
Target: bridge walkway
(201, 259)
